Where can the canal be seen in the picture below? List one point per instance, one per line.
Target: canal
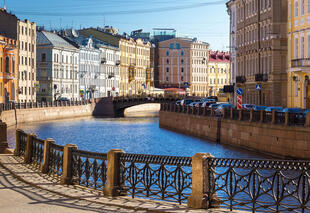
(133, 135)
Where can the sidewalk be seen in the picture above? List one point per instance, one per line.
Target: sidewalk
(24, 189)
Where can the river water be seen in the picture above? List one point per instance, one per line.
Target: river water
(133, 135)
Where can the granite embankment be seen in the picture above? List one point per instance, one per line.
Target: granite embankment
(17, 116)
(278, 140)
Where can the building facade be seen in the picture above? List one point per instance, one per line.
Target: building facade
(183, 63)
(298, 60)
(27, 61)
(8, 69)
(136, 74)
(218, 71)
(57, 68)
(261, 42)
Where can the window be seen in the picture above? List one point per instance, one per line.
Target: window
(296, 48)
(167, 78)
(308, 6)
(182, 53)
(296, 8)
(167, 53)
(0, 64)
(177, 46)
(308, 46)
(7, 64)
(182, 78)
(167, 69)
(167, 61)
(13, 64)
(302, 8)
(182, 61)
(43, 57)
(182, 69)
(302, 47)
(171, 45)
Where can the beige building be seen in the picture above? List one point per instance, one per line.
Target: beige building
(136, 74)
(183, 63)
(218, 71)
(26, 33)
(261, 49)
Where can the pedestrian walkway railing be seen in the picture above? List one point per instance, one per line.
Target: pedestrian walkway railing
(274, 117)
(31, 105)
(201, 181)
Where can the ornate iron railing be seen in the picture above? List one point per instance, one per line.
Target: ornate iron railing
(260, 185)
(297, 119)
(37, 151)
(55, 159)
(158, 177)
(256, 116)
(23, 142)
(89, 169)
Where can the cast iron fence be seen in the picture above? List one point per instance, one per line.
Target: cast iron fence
(37, 151)
(261, 185)
(280, 118)
(55, 159)
(298, 119)
(159, 177)
(245, 115)
(89, 169)
(256, 116)
(23, 142)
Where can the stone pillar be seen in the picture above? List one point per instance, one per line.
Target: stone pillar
(199, 198)
(112, 187)
(287, 118)
(3, 137)
(28, 152)
(273, 118)
(231, 113)
(45, 164)
(307, 123)
(67, 164)
(17, 145)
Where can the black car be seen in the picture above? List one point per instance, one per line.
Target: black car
(64, 99)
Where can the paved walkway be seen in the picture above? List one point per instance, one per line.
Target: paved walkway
(24, 189)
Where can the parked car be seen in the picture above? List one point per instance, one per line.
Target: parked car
(248, 106)
(193, 104)
(207, 104)
(63, 99)
(259, 108)
(220, 109)
(186, 102)
(270, 109)
(306, 111)
(214, 106)
(198, 103)
(292, 110)
(178, 102)
(213, 97)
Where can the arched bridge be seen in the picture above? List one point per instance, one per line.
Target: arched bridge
(115, 106)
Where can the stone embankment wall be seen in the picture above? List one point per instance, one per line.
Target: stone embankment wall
(13, 117)
(278, 140)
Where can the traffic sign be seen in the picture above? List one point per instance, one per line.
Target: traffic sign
(239, 91)
(258, 87)
(239, 102)
(186, 84)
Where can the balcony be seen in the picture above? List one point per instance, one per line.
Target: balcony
(241, 79)
(300, 62)
(111, 75)
(103, 60)
(118, 62)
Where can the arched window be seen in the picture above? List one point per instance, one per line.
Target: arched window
(7, 64)
(13, 65)
(167, 53)
(182, 53)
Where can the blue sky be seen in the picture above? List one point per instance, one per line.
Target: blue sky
(207, 20)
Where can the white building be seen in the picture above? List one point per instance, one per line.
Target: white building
(109, 70)
(57, 68)
(27, 61)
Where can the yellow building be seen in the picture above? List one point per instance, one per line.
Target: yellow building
(218, 71)
(8, 69)
(298, 62)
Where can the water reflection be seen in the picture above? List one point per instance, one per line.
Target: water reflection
(133, 135)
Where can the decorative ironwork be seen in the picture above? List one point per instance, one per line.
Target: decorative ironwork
(298, 119)
(255, 116)
(261, 185)
(37, 151)
(280, 118)
(23, 142)
(55, 159)
(158, 177)
(89, 169)
(268, 117)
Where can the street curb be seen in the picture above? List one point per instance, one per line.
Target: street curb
(78, 198)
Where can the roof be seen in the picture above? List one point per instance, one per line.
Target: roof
(174, 89)
(217, 56)
(51, 39)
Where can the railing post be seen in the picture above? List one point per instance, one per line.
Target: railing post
(287, 118)
(231, 113)
(251, 115)
(3, 137)
(262, 116)
(212, 111)
(201, 189)
(112, 187)
(307, 123)
(45, 164)
(67, 172)
(188, 109)
(28, 151)
(273, 116)
(17, 145)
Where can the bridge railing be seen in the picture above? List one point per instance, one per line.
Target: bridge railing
(30, 105)
(279, 118)
(202, 181)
